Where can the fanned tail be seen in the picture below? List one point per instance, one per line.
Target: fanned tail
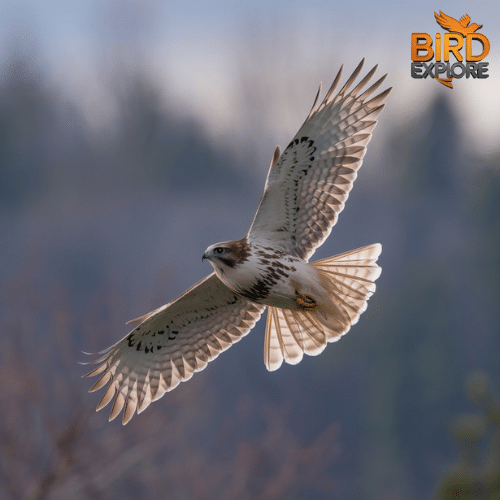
(348, 279)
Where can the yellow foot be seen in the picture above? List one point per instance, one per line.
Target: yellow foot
(305, 301)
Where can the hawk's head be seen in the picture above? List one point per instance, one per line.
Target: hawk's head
(228, 254)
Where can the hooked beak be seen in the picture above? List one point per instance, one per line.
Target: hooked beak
(204, 256)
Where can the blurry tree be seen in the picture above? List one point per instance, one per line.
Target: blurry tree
(53, 445)
(482, 274)
(476, 472)
(47, 149)
(26, 120)
(433, 325)
(43, 139)
(155, 147)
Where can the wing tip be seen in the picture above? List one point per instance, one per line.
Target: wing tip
(316, 99)
(344, 91)
(276, 156)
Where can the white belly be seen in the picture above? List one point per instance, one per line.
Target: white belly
(273, 282)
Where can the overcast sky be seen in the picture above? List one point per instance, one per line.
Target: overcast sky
(196, 48)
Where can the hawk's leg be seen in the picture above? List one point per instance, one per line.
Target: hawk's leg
(305, 301)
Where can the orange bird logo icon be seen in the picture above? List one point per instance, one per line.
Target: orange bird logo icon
(462, 26)
(451, 24)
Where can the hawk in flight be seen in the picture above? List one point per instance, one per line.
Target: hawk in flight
(309, 303)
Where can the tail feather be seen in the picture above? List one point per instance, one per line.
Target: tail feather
(348, 279)
(284, 340)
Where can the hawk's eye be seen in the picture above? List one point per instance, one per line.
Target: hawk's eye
(218, 250)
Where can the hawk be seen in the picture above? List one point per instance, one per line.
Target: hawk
(309, 303)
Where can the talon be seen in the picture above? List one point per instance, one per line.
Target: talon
(305, 301)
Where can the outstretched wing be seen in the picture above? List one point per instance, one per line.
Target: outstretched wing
(308, 184)
(170, 344)
(464, 21)
(447, 22)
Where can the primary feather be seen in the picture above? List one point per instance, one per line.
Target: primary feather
(171, 344)
(307, 187)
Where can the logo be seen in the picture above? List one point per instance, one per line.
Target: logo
(462, 41)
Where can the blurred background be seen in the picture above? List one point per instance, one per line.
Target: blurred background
(133, 134)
